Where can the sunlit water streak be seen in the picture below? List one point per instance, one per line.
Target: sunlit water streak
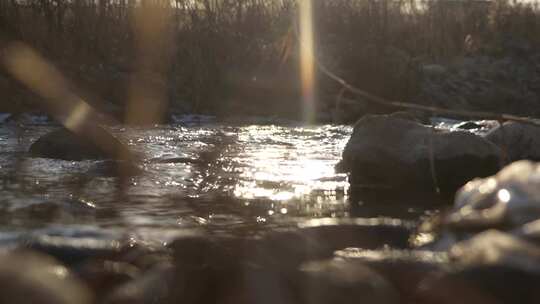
(220, 177)
(307, 59)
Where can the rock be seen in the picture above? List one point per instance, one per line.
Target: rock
(493, 247)
(339, 281)
(155, 286)
(529, 232)
(208, 268)
(262, 270)
(394, 152)
(72, 250)
(66, 145)
(491, 267)
(33, 278)
(102, 276)
(480, 285)
(509, 199)
(404, 269)
(517, 141)
(318, 239)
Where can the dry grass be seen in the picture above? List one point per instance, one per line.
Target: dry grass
(239, 56)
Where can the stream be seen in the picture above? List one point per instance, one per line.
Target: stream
(224, 178)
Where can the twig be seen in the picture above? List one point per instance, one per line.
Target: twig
(412, 106)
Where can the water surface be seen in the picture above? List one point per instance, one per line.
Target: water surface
(220, 177)
(224, 178)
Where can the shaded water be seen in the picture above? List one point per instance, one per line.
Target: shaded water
(224, 178)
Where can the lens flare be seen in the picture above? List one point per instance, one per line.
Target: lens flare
(307, 58)
(60, 99)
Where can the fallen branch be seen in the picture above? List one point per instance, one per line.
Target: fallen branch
(501, 117)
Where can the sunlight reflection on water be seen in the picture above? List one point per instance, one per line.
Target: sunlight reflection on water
(218, 174)
(288, 167)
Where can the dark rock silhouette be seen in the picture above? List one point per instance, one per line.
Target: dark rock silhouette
(395, 152)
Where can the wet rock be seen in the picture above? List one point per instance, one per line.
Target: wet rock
(529, 232)
(404, 269)
(480, 285)
(144, 256)
(155, 286)
(180, 284)
(199, 250)
(490, 267)
(66, 145)
(517, 141)
(72, 250)
(338, 281)
(251, 270)
(493, 247)
(228, 269)
(102, 276)
(394, 152)
(33, 278)
(508, 199)
(207, 268)
(318, 239)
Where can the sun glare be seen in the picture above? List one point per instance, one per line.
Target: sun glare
(307, 58)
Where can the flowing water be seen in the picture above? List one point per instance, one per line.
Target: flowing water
(220, 177)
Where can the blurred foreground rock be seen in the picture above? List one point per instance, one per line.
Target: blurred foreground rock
(492, 240)
(506, 201)
(33, 278)
(338, 281)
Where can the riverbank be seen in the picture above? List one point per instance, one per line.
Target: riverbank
(243, 60)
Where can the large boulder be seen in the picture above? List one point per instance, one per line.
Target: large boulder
(392, 152)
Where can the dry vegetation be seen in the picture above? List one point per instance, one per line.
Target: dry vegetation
(239, 56)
